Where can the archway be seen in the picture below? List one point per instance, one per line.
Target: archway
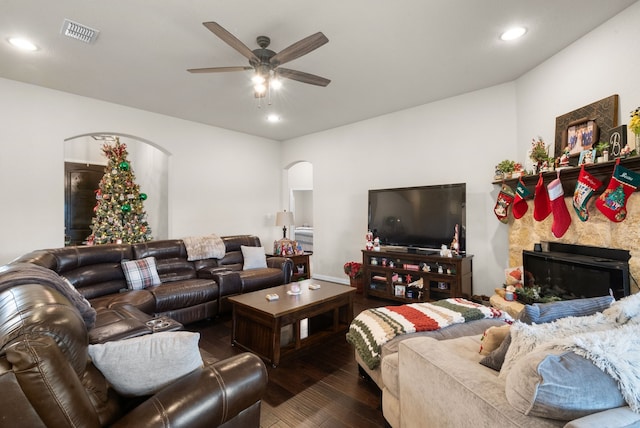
(150, 164)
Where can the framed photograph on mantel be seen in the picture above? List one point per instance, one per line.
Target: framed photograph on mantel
(604, 116)
(582, 134)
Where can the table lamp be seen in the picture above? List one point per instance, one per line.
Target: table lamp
(284, 218)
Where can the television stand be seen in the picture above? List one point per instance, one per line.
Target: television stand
(388, 275)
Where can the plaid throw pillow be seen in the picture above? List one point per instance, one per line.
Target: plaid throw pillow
(140, 273)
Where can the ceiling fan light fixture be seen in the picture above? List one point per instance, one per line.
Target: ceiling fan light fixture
(275, 83)
(258, 79)
(260, 89)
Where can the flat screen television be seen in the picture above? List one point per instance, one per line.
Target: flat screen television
(419, 218)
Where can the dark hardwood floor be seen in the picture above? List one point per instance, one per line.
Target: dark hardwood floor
(319, 388)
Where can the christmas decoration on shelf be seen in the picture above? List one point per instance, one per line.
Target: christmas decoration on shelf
(520, 206)
(586, 185)
(612, 202)
(504, 201)
(539, 154)
(541, 202)
(119, 212)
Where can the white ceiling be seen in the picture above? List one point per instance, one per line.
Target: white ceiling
(382, 55)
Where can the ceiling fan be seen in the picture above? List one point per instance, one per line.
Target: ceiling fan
(266, 62)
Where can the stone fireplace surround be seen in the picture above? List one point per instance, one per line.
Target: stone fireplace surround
(597, 231)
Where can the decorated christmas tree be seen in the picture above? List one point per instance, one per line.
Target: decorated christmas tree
(119, 212)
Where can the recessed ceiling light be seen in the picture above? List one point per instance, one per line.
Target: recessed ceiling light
(513, 33)
(273, 118)
(23, 44)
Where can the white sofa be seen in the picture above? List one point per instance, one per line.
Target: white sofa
(441, 383)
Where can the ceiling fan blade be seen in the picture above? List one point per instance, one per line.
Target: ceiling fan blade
(218, 69)
(231, 40)
(299, 48)
(303, 77)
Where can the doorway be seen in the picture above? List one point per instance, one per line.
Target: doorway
(80, 184)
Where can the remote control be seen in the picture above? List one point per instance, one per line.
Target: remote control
(272, 297)
(314, 286)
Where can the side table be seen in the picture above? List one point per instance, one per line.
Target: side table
(301, 265)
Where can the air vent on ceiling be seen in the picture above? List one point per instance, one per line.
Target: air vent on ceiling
(79, 31)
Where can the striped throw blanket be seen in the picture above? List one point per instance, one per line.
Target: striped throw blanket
(372, 328)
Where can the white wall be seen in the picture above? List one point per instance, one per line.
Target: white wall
(455, 140)
(219, 181)
(602, 63)
(460, 140)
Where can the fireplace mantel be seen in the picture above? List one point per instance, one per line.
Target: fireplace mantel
(569, 176)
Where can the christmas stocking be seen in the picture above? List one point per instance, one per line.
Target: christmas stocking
(541, 203)
(505, 199)
(520, 204)
(561, 217)
(612, 201)
(586, 185)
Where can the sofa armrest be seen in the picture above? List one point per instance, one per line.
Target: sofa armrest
(619, 417)
(210, 272)
(283, 263)
(209, 396)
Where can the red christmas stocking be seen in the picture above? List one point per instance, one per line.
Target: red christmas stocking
(505, 199)
(561, 217)
(541, 202)
(520, 206)
(613, 200)
(586, 185)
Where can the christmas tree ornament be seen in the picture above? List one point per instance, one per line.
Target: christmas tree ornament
(143, 196)
(520, 206)
(504, 201)
(612, 202)
(124, 166)
(586, 185)
(126, 208)
(541, 202)
(561, 217)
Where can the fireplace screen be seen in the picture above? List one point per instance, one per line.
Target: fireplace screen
(574, 276)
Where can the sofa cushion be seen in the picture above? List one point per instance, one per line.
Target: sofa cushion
(546, 312)
(560, 385)
(254, 257)
(492, 338)
(141, 273)
(144, 365)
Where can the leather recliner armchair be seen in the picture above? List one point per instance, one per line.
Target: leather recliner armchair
(47, 378)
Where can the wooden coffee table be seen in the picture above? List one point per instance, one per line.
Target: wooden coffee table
(258, 323)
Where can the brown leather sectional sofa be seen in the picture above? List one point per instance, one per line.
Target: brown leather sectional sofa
(46, 375)
(48, 380)
(190, 290)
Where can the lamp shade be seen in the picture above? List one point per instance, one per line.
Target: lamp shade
(284, 218)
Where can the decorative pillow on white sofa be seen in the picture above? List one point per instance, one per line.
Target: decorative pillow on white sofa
(525, 338)
(144, 365)
(546, 312)
(141, 273)
(254, 257)
(559, 384)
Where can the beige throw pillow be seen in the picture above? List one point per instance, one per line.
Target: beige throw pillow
(492, 338)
